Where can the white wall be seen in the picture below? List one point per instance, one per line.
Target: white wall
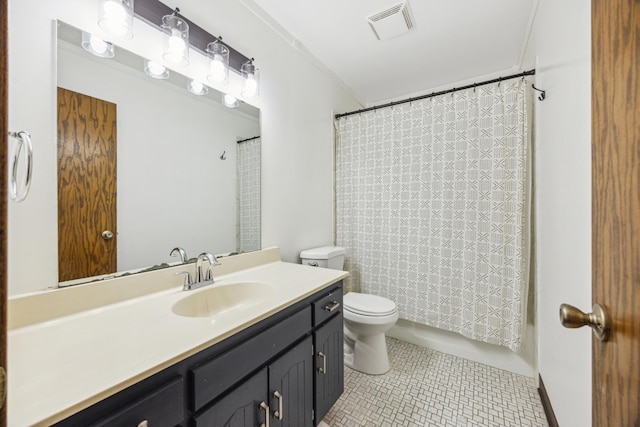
(297, 101)
(173, 188)
(561, 41)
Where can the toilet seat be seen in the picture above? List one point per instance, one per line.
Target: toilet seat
(368, 305)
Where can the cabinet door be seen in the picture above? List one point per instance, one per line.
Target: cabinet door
(329, 366)
(291, 387)
(244, 406)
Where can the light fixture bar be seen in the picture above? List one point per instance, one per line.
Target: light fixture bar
(152, 11)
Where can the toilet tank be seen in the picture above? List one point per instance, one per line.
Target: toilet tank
(325, 256)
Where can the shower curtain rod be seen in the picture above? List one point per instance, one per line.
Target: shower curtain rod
(248, 139)
(455, 89)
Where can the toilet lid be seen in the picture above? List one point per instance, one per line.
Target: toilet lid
(368, 305)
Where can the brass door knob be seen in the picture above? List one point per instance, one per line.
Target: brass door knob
(598, 320)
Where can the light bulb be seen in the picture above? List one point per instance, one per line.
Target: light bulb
(230, 101)
(115, 18)
(98, 45)
(114, 10)
(217, 69)
(250, 87)
(197, 88)
(156, 70)
(177, 45)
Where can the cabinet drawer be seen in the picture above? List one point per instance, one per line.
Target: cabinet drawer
(327, 306)
(213, 377)
(163, 406)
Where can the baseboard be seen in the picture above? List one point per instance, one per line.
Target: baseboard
(546, 404)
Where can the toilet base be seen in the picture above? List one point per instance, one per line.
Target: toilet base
(369, 355)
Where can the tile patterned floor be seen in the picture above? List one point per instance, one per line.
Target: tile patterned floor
(429, 388)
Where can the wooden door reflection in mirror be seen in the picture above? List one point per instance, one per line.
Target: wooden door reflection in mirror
(87, 186)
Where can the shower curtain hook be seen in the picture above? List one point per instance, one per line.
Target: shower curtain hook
(499, 81)
(543, 93)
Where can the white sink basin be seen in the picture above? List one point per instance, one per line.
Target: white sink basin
(216, 299)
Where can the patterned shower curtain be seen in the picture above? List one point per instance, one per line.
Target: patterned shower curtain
(248, 179)
(432, 206)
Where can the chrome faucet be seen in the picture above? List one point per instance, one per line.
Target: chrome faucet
(202, 279)
(208, 276)
(178, 251)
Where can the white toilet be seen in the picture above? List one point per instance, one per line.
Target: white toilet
(366, 317)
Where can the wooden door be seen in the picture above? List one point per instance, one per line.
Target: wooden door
(330, 380)
(291, 376)
(4, 130)
(616, 208)
(86, 186)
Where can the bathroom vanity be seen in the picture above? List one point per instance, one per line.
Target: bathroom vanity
(164, 360)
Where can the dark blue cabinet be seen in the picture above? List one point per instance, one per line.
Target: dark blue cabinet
(282, 391)
(329, 366)
(291, 387)
(287, 367)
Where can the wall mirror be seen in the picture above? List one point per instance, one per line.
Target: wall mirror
(164, 165)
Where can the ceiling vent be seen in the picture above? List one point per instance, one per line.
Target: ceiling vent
(392, 22)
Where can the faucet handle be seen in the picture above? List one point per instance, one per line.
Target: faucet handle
(187, 279)
(209, 275)
(213, 260)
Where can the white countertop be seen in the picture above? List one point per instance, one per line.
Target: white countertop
(59, 366)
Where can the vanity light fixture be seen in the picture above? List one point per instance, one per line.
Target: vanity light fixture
(96, 46)
(116, 17)
(197, 88)
(230, 101)
(218, 53)
(251, 81)
(176, 44)
(155, 13)
(155, 70)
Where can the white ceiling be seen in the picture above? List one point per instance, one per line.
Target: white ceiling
(452, 41)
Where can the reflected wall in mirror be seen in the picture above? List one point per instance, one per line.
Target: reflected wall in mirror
(182, 178)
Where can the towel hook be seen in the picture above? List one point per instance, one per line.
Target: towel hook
(543, 93)
(223, 157)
